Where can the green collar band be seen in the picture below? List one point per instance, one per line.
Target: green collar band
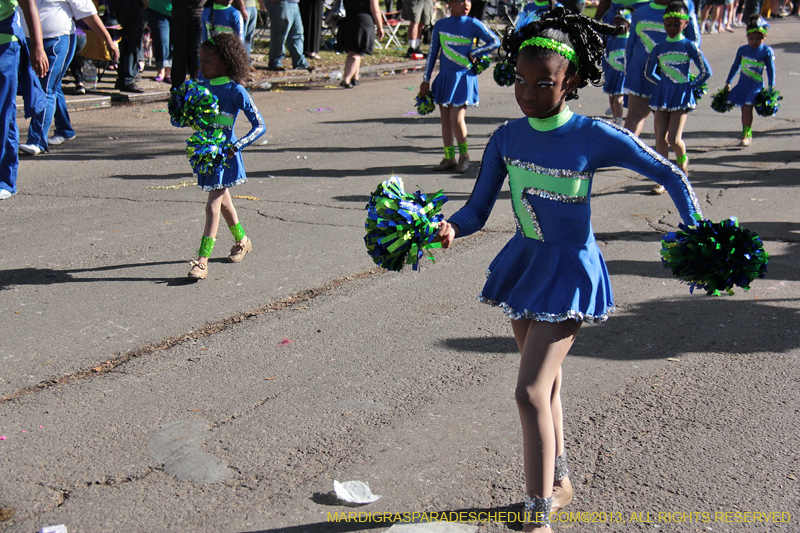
(675, 39)
(658, 6)
(560, 48)
(551, 123)
(760, 29)
(220, 81)
(676, 15)
(217, 6)
(541, 4)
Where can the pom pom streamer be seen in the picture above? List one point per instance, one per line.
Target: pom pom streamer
(206, 152)
(698, 91)
(401, 227)
(767, 102)
(192, 105)
(715, 256)
(480, 64)
(505, 74)
(719, 102)
(425, 104)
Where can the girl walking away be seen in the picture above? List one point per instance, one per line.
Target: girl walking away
(614, 65)
(551, 277)
(224, 65)
(751, 59)
(673, 97)
(456, 85)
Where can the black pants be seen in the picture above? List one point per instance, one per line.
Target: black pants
(185, 32)
(478, 9)
(130, 14)
(311, 15)
(751, 7)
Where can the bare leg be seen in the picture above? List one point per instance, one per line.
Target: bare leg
(677, 121)
(617, 111)
(747, 116)
(448, 137)
(661, 122)
(638, 110)
(458, 121)
(543, 347)
(213, 208)
(351, 66)
(228, 211)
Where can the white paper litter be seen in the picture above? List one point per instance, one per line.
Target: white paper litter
(354, 492)
(61, 528)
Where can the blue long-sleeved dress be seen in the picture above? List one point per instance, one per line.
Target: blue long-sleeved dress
(614, 65)
(751, 62)
(457, 84)
(647, 30)
(552, 269)
(222, 19)
(668, 68)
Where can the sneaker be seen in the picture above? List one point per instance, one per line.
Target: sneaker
(130, 88)
(30, 149)
(4, 194)
(658, 189)
(79, 88)
(59, 139)
(239, 249)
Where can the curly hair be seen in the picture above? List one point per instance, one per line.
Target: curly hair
(231, 51)
(581, 33)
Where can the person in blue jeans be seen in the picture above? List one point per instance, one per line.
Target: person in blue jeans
(286, 28)
(158, 14)
(58, 29)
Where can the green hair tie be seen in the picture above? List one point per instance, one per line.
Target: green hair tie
(760, 29)
(676, 15)
(560, 48)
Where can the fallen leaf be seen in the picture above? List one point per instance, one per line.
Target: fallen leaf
(270, 378)
(673, 359)
(299, 308)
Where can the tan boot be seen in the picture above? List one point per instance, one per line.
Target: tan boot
(445, 164)
(463, 163)
(658, 189)
(198, 271)
(239, 249)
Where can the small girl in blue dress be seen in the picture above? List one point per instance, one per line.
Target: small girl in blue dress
(456, 85)
(614, 65)
(551, 277)
(224, 65)
(673, 98)
(752, 59)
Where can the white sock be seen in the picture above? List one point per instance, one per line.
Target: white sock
(413, 43)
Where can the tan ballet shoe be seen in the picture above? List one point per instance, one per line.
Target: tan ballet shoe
(200, 273)
(658, 189)
(445, 164)
(239, 249)
(463, 163)
(562, 496)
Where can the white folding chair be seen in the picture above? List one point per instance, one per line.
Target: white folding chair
(391, 25)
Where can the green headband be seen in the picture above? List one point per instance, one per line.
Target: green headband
(676, 15)
(560, 48)
(760, 29)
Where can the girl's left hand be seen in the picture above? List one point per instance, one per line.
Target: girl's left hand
(447, 234)
(230, 153)
(424, 88)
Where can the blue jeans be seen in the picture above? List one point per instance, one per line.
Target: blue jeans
(9, 134)
(285, 27)
(250, 28)
(159, 31)
(59, 52)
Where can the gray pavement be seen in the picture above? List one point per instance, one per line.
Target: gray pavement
(135, 401)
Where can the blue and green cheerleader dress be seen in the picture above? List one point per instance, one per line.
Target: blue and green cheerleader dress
(668, 68)
(456, 84)
(751, 62)
(614, 65)
(552, 269)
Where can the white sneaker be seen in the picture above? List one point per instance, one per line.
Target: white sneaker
(59, 139)
(30, 149)
(5, 194)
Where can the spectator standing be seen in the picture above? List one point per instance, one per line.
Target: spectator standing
(221, 17)
(418, 14)
(158, 14)
(311, 15)
(286, 29)
(357, 36)
(185, 31)
(251, 8)
(130, 14)
(58, 31)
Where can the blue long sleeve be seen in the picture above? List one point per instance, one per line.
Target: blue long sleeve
(433, 53)
(737, 64)
(245, 103)
(703, 67)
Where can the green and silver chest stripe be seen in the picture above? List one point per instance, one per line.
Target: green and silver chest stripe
(447, 41)
(753, 69)
(669, 62)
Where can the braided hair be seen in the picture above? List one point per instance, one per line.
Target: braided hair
(581, 33)
(231, 51)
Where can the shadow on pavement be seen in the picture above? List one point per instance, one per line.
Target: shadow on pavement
(48, 276)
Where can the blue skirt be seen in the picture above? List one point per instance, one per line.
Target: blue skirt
(635, 83)
(669, 96)
(535, 280)
(455, 88)
(229, 176)
(613, 82)
(744, 93)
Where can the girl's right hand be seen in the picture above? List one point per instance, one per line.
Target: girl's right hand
(447, 234)
(727, 87)
(424, 88)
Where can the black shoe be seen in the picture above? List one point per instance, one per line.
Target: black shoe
(278, 69)
(418, 51)
(309, 68)
(410, 52)
(130, 88)
(355, 82)
(346, 85)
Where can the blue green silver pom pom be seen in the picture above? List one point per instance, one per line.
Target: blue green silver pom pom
(480, 64)
(505, 74)
(401, 227)
(719, 102)
(206, 151)
(425, 104)
(715, 256)
(192, 105)
(699, 91)
(767, 102)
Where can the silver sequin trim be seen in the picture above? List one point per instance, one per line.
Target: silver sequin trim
(633, 93)
(537, 511)
(670, 109)
(209, 188)
(457, 105)
(554, 172)
(561, 470)
(547, 317)
(523, 197)
(254, 133)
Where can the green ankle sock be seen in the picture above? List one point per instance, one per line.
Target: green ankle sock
(449, 152)
(206, 245)
(237, 231)
(747, 133)
(462, 148)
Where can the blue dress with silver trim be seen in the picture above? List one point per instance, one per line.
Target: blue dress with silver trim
(456, 84)
(668, 68)
(614, 65)
(751, 63)
(552, 269)
(232, 99)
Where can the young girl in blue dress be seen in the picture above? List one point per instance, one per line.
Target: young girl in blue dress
(751, 59)
(550, 277)
(456, 86)
(673, 98)
(224, 65)
(614, 65)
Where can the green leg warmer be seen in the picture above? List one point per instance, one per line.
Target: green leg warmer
(237, 231)
(682, 159)
(449, 152)
(206, 245)
(462, 148)
(747, 132)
